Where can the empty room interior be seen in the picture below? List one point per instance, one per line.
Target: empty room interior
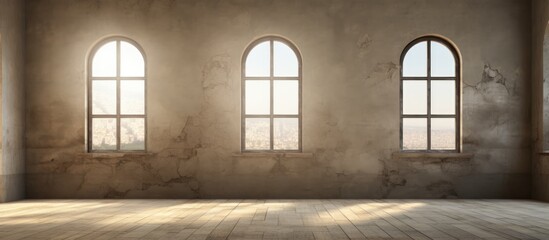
(274, 119)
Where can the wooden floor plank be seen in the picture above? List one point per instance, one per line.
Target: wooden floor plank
(274, 219)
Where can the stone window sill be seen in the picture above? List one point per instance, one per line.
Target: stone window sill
(433, 155)
(272, 154)
(113, 155)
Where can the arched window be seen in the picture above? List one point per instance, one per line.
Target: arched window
(116, 96)
(430, 96)
(271, 96)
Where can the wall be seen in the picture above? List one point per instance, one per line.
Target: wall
(12, 154)
(540, 100)
(351, 52)
(545, 87)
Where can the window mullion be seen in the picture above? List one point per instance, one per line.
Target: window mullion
(429, 95)
(118, 95)
(457, 102)
(271, 81)
(300, 111)
(285, 116)
(90, 112)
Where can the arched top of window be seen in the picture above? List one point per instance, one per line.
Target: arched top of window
(117, 56)
(430, 56)
(271, 56)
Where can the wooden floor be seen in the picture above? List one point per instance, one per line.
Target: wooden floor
(274, 219)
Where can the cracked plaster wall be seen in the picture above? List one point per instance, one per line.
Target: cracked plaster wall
(351, 52)
(12, 161)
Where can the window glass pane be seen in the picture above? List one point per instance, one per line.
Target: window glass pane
(104, 97)
(415, 61)
(286, 134)
(443, 133)
(258, 62)
(442, 61)
(414, 134)
(132, 134)
(285, 62)
(258, 134)
(258, 97)
(286, 97)
(414, 97)
(443, 97)
(132, 97)
(104, 61)
(104, 134)
(132, 63)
